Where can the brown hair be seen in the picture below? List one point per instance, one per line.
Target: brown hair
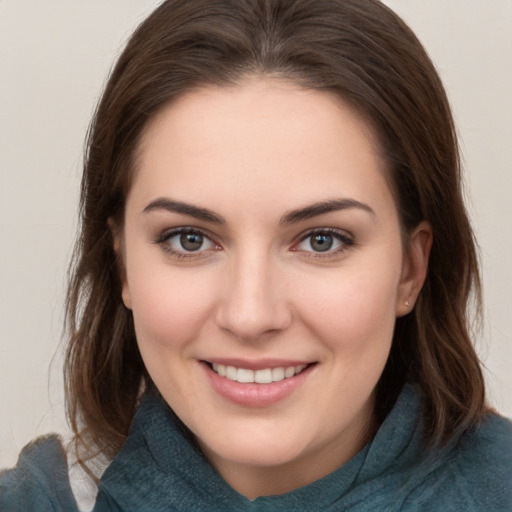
(357, 49)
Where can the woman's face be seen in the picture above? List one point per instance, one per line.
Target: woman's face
(261, 242)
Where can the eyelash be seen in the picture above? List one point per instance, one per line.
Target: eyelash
(345, 240)
(166, 236)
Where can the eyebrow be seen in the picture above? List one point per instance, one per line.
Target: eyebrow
(163, 203)
(291, 217)
(321, 208)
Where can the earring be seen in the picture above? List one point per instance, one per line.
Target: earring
(406, 303)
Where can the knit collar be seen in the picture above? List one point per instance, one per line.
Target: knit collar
(159, 469)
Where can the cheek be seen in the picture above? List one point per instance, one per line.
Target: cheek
(353, 310)
(169, 307)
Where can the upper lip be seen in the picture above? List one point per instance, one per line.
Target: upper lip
(257, 364)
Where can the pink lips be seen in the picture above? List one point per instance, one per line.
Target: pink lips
(255, 394)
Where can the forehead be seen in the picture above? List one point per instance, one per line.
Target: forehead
(262, 137)
(266, 103)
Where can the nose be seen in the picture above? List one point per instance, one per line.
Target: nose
(254, 301)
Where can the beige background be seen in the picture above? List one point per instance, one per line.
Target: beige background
(54, 58)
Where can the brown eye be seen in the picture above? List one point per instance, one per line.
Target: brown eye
(191, 241)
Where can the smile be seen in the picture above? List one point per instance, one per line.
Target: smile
(263, 384)
(263, 376)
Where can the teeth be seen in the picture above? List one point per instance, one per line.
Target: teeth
(244, 375)
(289, 372)
(231, 373)
(265, 376)
(277, 374)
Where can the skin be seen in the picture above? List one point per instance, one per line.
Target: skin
(257, 288)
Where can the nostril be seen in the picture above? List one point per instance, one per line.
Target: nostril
(251, 319)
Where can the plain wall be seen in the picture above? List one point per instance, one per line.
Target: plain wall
(55, 56)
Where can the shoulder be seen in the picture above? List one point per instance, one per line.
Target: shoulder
(484, 462)
(490, 441)
(39, 481)
(474, 474)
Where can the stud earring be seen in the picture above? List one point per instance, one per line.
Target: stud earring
(406, 303)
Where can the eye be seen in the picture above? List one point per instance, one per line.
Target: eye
(320, 242)
(186, 242)
(189, 241)
(324, 241)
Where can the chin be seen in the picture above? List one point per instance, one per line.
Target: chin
(252, 454)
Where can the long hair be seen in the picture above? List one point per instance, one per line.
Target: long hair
(358, 50)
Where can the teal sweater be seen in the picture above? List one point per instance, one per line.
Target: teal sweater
(158, 470)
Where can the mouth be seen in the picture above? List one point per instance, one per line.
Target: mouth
(263, 384)
(260, 376)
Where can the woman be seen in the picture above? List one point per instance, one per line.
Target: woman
(269, 304)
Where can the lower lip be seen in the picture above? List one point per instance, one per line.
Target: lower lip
(252, 394)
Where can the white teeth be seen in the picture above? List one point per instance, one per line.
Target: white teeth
(277, 374)
(244, 375)
(289, 372)
(231, 373)
(265, 376)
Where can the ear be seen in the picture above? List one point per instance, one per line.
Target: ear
(118, 246)
(415, 267)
